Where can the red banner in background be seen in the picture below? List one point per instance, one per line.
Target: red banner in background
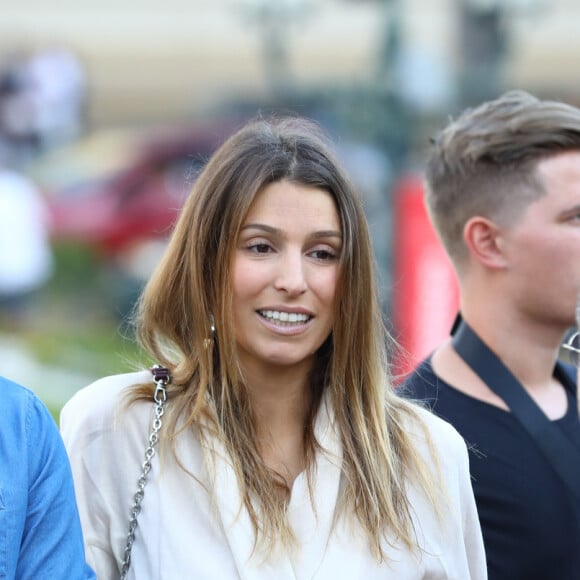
(425, 295)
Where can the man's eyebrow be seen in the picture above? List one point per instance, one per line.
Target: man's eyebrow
(571, 211)
(276, 231)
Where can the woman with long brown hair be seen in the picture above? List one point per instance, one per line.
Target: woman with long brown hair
(284, 450)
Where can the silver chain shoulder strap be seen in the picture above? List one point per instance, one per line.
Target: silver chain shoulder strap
(162, 378)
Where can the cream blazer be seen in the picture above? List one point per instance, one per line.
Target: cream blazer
(196, 529)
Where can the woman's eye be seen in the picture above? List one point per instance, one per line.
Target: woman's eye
(323, 255)
(259, 248)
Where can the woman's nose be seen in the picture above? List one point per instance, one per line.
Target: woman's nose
(291, 276)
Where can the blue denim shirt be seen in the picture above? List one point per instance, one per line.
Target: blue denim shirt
(40, 532)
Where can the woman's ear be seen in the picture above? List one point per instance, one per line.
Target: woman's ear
(483, 240)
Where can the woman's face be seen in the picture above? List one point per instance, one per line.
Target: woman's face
(284, 274)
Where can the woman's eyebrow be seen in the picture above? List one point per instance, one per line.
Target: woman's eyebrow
(276, 231)
(263, 227)
(327, 234)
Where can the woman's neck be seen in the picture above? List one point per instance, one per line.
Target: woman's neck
(279, 399)
(281, 402)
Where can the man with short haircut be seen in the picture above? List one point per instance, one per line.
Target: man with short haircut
(503, 192)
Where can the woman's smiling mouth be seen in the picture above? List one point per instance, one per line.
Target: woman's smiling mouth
(285, 318)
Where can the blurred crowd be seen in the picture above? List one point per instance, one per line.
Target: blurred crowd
(42, 105)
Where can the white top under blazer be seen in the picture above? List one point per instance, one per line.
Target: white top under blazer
(182, 535)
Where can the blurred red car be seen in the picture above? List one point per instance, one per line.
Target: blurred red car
(140, 201)
(126, 215)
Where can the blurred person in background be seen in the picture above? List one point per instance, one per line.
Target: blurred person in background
(39, 521)
(284, 450)
(26, 260)
(42, 99)
(503, 192)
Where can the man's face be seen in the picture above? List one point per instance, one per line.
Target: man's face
(543, 247)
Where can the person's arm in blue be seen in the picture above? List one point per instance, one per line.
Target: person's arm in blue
(52, 543)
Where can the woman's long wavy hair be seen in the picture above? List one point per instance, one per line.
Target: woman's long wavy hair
(191, 288)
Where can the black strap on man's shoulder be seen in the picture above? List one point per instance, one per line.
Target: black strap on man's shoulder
(556, 447)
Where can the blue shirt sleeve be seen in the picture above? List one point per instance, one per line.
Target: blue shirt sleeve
(52, 543)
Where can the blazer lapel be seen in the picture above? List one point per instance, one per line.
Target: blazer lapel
(236, 522)
(322, 548)
(322, 553)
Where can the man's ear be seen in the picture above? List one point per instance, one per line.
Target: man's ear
(483, 240)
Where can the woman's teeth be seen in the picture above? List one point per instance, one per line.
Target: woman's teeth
(279, 316)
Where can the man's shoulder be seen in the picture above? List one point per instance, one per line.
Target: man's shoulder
(421, 384)
(11, 390)
(424, 386)
(16, 398)
(568, 374)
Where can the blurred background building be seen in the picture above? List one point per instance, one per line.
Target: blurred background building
(111, 109)
(162, 61)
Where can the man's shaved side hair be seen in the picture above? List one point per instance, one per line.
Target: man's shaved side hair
(485, 162)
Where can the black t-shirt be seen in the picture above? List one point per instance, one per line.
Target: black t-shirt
(530, 521)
